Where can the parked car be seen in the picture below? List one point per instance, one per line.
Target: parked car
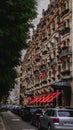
(56, 119)
(36, 115)
(3, 108)
(21, 111)
(27, 112)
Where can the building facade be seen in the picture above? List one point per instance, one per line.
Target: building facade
(47, 66)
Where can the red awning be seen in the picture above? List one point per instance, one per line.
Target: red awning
(34, 100)
(45, 98)
(51, 97)
(26, 100)
(41, 98)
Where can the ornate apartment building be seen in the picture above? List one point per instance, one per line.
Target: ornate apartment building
(47, 66)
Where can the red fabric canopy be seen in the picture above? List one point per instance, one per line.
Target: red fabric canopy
(26, 100)
(45, 98)
(34, 100)
(51, 97)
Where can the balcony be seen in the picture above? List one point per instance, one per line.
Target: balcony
(38, 48)
(44, 39)
(64, 12)
(42, 67)
(38, 59)
(53, 77)
(52, 62)
(58, 76)
(65, 52)
(36, 72)
(28, 69)
(49, 34)
(49, 80)
(67, 74)
(65, 68)
(44, 82)
(37, 85)
(58, 39)
(66, 77)
(44, 52)
(65, 31)
(53, 45)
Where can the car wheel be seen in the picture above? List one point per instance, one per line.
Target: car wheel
(39, 126)
(49, 127)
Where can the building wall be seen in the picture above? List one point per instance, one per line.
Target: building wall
(49, 58)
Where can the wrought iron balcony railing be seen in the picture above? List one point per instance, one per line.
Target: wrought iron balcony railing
(65, 31)
(52, 62)
(64, 12)
(65, 52)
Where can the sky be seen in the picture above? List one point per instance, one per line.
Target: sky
(42, 4)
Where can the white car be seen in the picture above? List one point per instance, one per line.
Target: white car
(56, 119)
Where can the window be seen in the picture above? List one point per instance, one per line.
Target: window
(59, 68)
(68, 23)
(58, 20)
(48, 112)
(53, 113)
(44, 52)
(33, 109)
(63, 113)
(64, 65)
(68, 41)
(49, 73)
(49, 32)
(64, 25)
(53, 26)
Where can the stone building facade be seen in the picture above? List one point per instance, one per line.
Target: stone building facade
(48, 64)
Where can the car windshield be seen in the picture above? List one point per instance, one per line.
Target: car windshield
(67, 113)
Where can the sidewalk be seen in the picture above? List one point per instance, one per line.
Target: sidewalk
(1, 124)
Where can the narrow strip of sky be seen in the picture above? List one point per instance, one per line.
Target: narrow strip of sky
(42, 4)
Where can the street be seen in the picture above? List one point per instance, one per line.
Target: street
(14, 122)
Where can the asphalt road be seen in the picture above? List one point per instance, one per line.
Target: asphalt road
(14, 122)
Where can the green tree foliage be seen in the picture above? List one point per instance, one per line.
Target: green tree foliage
(15, 21)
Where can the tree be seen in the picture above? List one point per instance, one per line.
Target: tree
(15, 21)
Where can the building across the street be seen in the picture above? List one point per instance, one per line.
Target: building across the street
(14, 96)
(47, 69)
